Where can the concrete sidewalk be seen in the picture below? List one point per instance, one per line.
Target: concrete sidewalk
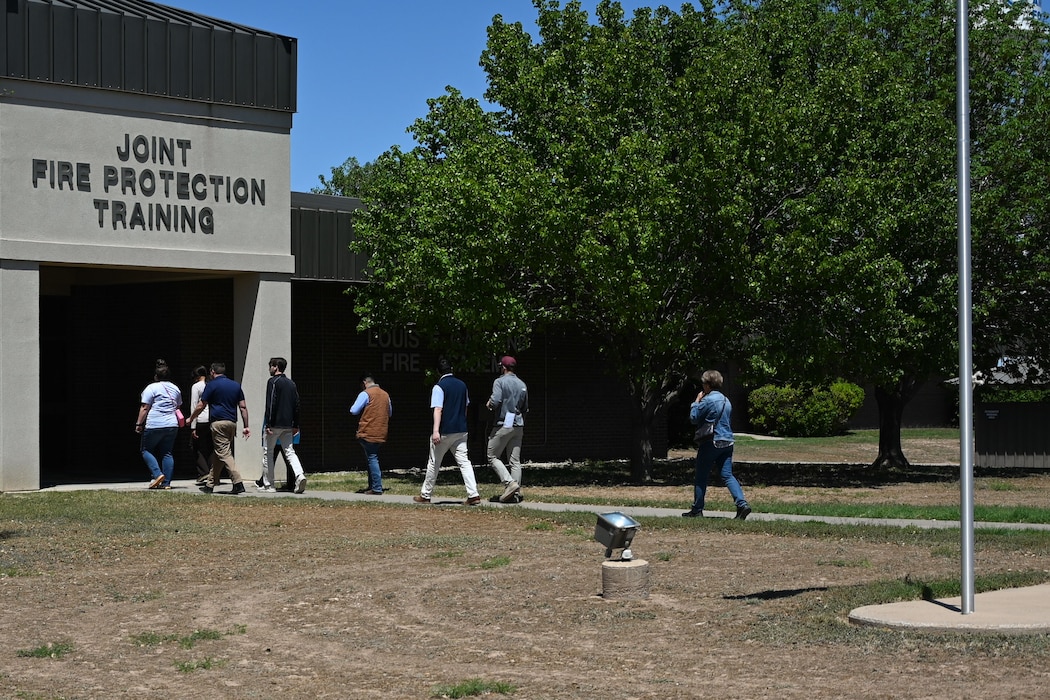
(1009, 611)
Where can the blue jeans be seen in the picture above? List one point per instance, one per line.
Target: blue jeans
(707, 456)
(375, 476)
(157, 444)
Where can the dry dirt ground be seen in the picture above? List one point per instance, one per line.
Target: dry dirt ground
(297, 597)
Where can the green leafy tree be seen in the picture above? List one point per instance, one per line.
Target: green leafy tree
(350, 179)
(857, 273)
(584, 199)
(768, 181)
(444, 229)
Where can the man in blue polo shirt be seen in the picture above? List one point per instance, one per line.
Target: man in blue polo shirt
(224, 398)
(449, 401)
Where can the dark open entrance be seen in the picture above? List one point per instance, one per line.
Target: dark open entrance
(100, 333)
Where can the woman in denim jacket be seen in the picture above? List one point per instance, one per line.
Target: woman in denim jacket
(712, 406)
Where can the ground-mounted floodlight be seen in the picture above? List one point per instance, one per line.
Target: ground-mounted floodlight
(615, 531)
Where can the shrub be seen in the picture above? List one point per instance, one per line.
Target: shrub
(804, 412)
(994, 393)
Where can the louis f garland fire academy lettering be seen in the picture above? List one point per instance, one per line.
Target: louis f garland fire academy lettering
(191, 192)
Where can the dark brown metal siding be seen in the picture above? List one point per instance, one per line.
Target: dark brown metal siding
(1012, 435)
(140, 47)
(322, 231)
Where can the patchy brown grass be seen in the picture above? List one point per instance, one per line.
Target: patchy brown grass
(175, 596)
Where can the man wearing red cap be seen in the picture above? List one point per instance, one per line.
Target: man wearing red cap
(509, 403)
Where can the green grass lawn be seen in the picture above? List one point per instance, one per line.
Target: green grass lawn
(920, 446)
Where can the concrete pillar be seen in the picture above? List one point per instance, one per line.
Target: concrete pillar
(262, 329)
(20, 376)
(626, 580)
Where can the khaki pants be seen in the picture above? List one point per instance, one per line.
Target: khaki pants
(223, 433)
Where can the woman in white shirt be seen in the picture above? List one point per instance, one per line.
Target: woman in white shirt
(158, 424)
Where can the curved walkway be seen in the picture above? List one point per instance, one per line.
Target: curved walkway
(1009, 611)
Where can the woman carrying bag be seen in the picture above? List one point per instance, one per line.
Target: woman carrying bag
(160, 417)
(711, 413)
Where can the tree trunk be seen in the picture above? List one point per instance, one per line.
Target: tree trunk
(642, 444)
(647, 400)
(891, 401)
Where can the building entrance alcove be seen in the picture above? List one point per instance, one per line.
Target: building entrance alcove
(101, 331)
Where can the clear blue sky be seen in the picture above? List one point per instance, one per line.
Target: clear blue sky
(367, 68)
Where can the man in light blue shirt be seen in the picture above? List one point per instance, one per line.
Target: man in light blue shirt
(449, 402)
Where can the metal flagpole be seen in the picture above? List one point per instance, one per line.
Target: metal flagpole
(962, 34)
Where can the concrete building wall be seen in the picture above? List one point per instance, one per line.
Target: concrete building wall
(112, 207)
(92, 178)
(20, 429)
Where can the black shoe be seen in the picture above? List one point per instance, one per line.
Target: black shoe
(207, 489)
(693, 514)
(237, 489)
(743, 511)
(260, 483)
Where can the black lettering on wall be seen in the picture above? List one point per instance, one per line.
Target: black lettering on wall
(62, 174)
(65, 174)
(137, 217)
(182, 185)
(153, 149)
(199, 185)
(240, 190)
(101, 206)
(39, 170)
(171, 183)
(147, 183)
(109, 177)
(207, 219)
(84, 177)
(189, 221)
(119, 214)
(127, 180)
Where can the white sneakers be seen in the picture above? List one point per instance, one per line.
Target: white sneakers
(263, 487)
(508, 492)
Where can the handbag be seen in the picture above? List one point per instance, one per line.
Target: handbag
(178, 411)
(705, 432)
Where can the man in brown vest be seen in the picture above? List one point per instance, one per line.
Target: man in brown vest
(374, 407)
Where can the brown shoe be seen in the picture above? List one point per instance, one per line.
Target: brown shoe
(421, 499)
(472, 501)
(155, 484)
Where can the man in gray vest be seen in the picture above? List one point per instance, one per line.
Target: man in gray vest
(509, 403)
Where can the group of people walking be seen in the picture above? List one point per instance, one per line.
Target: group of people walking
(509, 403)
(217, 401)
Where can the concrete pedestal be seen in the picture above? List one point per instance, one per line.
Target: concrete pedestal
(625, 580)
